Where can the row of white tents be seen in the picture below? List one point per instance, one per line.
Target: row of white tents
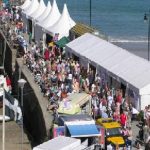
(113, 61)
(46, 19)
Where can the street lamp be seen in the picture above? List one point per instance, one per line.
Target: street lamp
(21, 83)
(147, 18)
(90, 12)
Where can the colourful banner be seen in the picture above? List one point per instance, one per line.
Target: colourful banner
(58, 131)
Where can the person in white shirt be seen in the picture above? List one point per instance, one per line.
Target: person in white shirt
(110, 99)
(109, 146)
(93, 87)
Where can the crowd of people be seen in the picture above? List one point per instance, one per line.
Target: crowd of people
(59, 76)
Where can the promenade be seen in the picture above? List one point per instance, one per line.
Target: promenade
(37, 103)
(13, 136)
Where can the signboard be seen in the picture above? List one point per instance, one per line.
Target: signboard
(58, 131)
(102, 137)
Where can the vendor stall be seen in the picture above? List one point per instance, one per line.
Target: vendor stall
(74, 103)
(61, 143)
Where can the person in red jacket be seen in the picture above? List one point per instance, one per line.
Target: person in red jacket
(46, 54)
(123, 119)
(8, 82)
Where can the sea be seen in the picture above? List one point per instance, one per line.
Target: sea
(121, 20)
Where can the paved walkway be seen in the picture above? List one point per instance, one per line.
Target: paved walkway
(13, 136)
(135, 130)
(43, 101)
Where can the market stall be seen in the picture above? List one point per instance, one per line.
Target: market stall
(118, 63)
(74, 103)
(61, 143)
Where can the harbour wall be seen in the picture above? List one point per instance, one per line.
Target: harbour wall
(37, 120)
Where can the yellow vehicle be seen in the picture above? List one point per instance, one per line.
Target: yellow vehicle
(110, 132)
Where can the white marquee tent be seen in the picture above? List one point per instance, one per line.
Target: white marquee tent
(45, 13)
(24, 16)
(63, 25)
(36, 14)
(38, 11)
(129, 69)
(33, 6)
(38, 34)
(61, 143)
(52, 17)
(25, 5)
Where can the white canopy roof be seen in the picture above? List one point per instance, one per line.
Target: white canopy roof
(25, 4)
(45, 13)
(133, 70)
(63, 25)
(39, 10)
(33, 6)
(59, 143)
(52, 17)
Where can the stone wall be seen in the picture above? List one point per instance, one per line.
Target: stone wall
(37, 120)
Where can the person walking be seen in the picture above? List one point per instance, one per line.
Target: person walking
(30, 37)
(146, 132)
(147, 146)
(123, 119)
(129, 138)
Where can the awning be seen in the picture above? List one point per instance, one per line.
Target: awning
(62, 42)
(84, 130)
(79, 29)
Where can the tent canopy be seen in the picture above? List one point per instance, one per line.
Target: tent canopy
(59, 143)
(135, 71)
(25, 4)
(83, 117)
(52, 17)
(62, 42)
(74, 103)
(81, 125)
(80, 29)
(32, 7)
(83, 130)
(39, 10)
(45, 13)
(63, 25)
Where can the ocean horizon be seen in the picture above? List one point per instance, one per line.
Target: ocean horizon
(122, 21)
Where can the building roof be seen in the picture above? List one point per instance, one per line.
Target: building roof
(122, 65)
(59, 143)
(80, 29)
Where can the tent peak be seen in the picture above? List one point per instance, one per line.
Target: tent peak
(54, 4)
(45, 13)
(65, 10)
(52, 17)
(48, 4)
(33, 6)
(39, 10)
(25, 4)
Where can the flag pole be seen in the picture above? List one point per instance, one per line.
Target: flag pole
(3, 140)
